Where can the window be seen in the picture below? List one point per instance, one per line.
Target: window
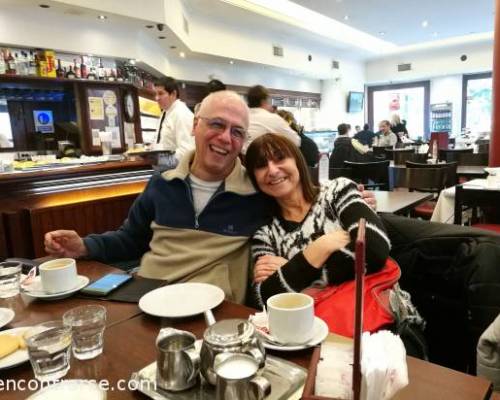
(477, 102)
(410, 101)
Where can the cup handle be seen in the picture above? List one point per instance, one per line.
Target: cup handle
(257, 354)
(194, 358)
(209, 317)
(261, 387)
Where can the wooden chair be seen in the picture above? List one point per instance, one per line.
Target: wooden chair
(476, 199)
(451, 155)
(451, 170)
(472, 159)
(391, 154)
(426, 180)
(379, 151)
(400, 157)
(339, 172)
(371, 174)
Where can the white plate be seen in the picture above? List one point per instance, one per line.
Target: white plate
(181, 300)
(19, 356)
(75, 389)
(320, 333)
(35, 289)
(6, 315)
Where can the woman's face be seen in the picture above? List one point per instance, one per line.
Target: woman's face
(278, 178)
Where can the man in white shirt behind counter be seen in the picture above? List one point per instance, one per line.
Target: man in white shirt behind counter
(262, 120)
(176, 122)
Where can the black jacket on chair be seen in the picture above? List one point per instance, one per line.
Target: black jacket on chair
(453, 275)
(343, 150)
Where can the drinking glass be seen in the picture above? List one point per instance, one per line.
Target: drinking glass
(10, 275)
(49, 350)
(87, 324)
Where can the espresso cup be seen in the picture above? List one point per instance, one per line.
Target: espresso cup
(58, 275)
(291, 317)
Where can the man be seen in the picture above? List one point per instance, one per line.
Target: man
(386, 138)
(366, 136)
(344, 149)
(176, 122)
(192, 223)
(263, 120)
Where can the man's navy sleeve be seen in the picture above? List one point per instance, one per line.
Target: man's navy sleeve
(132, 239)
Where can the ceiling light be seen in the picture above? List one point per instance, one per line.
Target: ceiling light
(346, 17)
(173, 47)
(150, 26)
(425, 24)
(182, 54)
(162, 37)
(102, 17)
(231, 62)
(131, 61)
(44, 6)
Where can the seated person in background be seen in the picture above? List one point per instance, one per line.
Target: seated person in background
(311, 236)
(366, 136)
(386, 137)
(345, 150)
(357, 128)
(262, 119)
(212, 86)
(398, 127)
(308, 147)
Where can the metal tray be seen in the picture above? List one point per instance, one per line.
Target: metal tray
(285, 378)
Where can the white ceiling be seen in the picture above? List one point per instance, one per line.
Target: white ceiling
(401, 20)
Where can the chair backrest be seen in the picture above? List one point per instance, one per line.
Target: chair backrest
(475, 199)
(378, 151)
(451, 155)
(339, 172)
(372, 174)
(472, 159)
(483, 147)
(451, 170)
(426, 179)
(401, 156)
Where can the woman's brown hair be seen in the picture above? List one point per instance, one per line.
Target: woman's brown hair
(276, 147)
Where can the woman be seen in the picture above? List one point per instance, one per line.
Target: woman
(312, 233)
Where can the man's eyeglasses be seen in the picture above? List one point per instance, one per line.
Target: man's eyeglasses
(219, 126)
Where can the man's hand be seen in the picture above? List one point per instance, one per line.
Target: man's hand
(368, 196)
(64, 243)
(266, 266)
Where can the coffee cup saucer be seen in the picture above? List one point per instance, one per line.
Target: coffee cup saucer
(320, 332)
(35, 289)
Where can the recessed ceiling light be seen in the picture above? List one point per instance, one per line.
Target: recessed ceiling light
(173, 47)
(162, 37)
(102, 17)
(44, 6)
(425, 24)
(182, 54)
(346, 17)
(231, 62)
(381, 33)
(150, 26)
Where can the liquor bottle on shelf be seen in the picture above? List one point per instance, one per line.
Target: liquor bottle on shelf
(11, 64)
(112, 75)
(76, 69)
(32, 67)
(20, 63)
(100, 71)
(60, 73)
(83, 69)
(70, 74)
(119, 76)
(3, 67)
(91, 75)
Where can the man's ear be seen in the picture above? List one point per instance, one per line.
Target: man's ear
(196, 120)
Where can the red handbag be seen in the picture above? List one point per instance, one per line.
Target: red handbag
(335, 304)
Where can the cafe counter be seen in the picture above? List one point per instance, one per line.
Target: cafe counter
(90, 198)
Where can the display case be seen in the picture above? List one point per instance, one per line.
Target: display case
(441, 117)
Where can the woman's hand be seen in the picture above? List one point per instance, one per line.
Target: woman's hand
(266, 266)
(318, 251)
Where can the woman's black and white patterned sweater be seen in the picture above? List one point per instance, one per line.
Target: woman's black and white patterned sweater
(338, 206)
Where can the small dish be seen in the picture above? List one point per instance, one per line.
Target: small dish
(20, 355)
(36, 291)
(6, 315)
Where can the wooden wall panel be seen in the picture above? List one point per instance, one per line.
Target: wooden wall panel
(95, 216)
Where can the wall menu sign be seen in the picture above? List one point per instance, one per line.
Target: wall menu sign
(105, 114)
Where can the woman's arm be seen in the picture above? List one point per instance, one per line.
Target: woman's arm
(348, 206)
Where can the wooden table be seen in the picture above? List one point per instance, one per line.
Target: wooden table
(399, 202)
(129, 345)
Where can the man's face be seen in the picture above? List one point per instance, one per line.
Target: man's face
(163, 98)
(219, 133)
(384, 128)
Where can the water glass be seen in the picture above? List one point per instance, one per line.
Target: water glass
(107, 148)
(49, 350)
(10, 275)
(87, 324)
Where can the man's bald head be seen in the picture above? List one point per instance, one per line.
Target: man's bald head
(224, 99)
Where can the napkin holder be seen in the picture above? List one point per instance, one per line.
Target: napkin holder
(359, 266)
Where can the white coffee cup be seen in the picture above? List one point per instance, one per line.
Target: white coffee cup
(58, 275)
(291, 317)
